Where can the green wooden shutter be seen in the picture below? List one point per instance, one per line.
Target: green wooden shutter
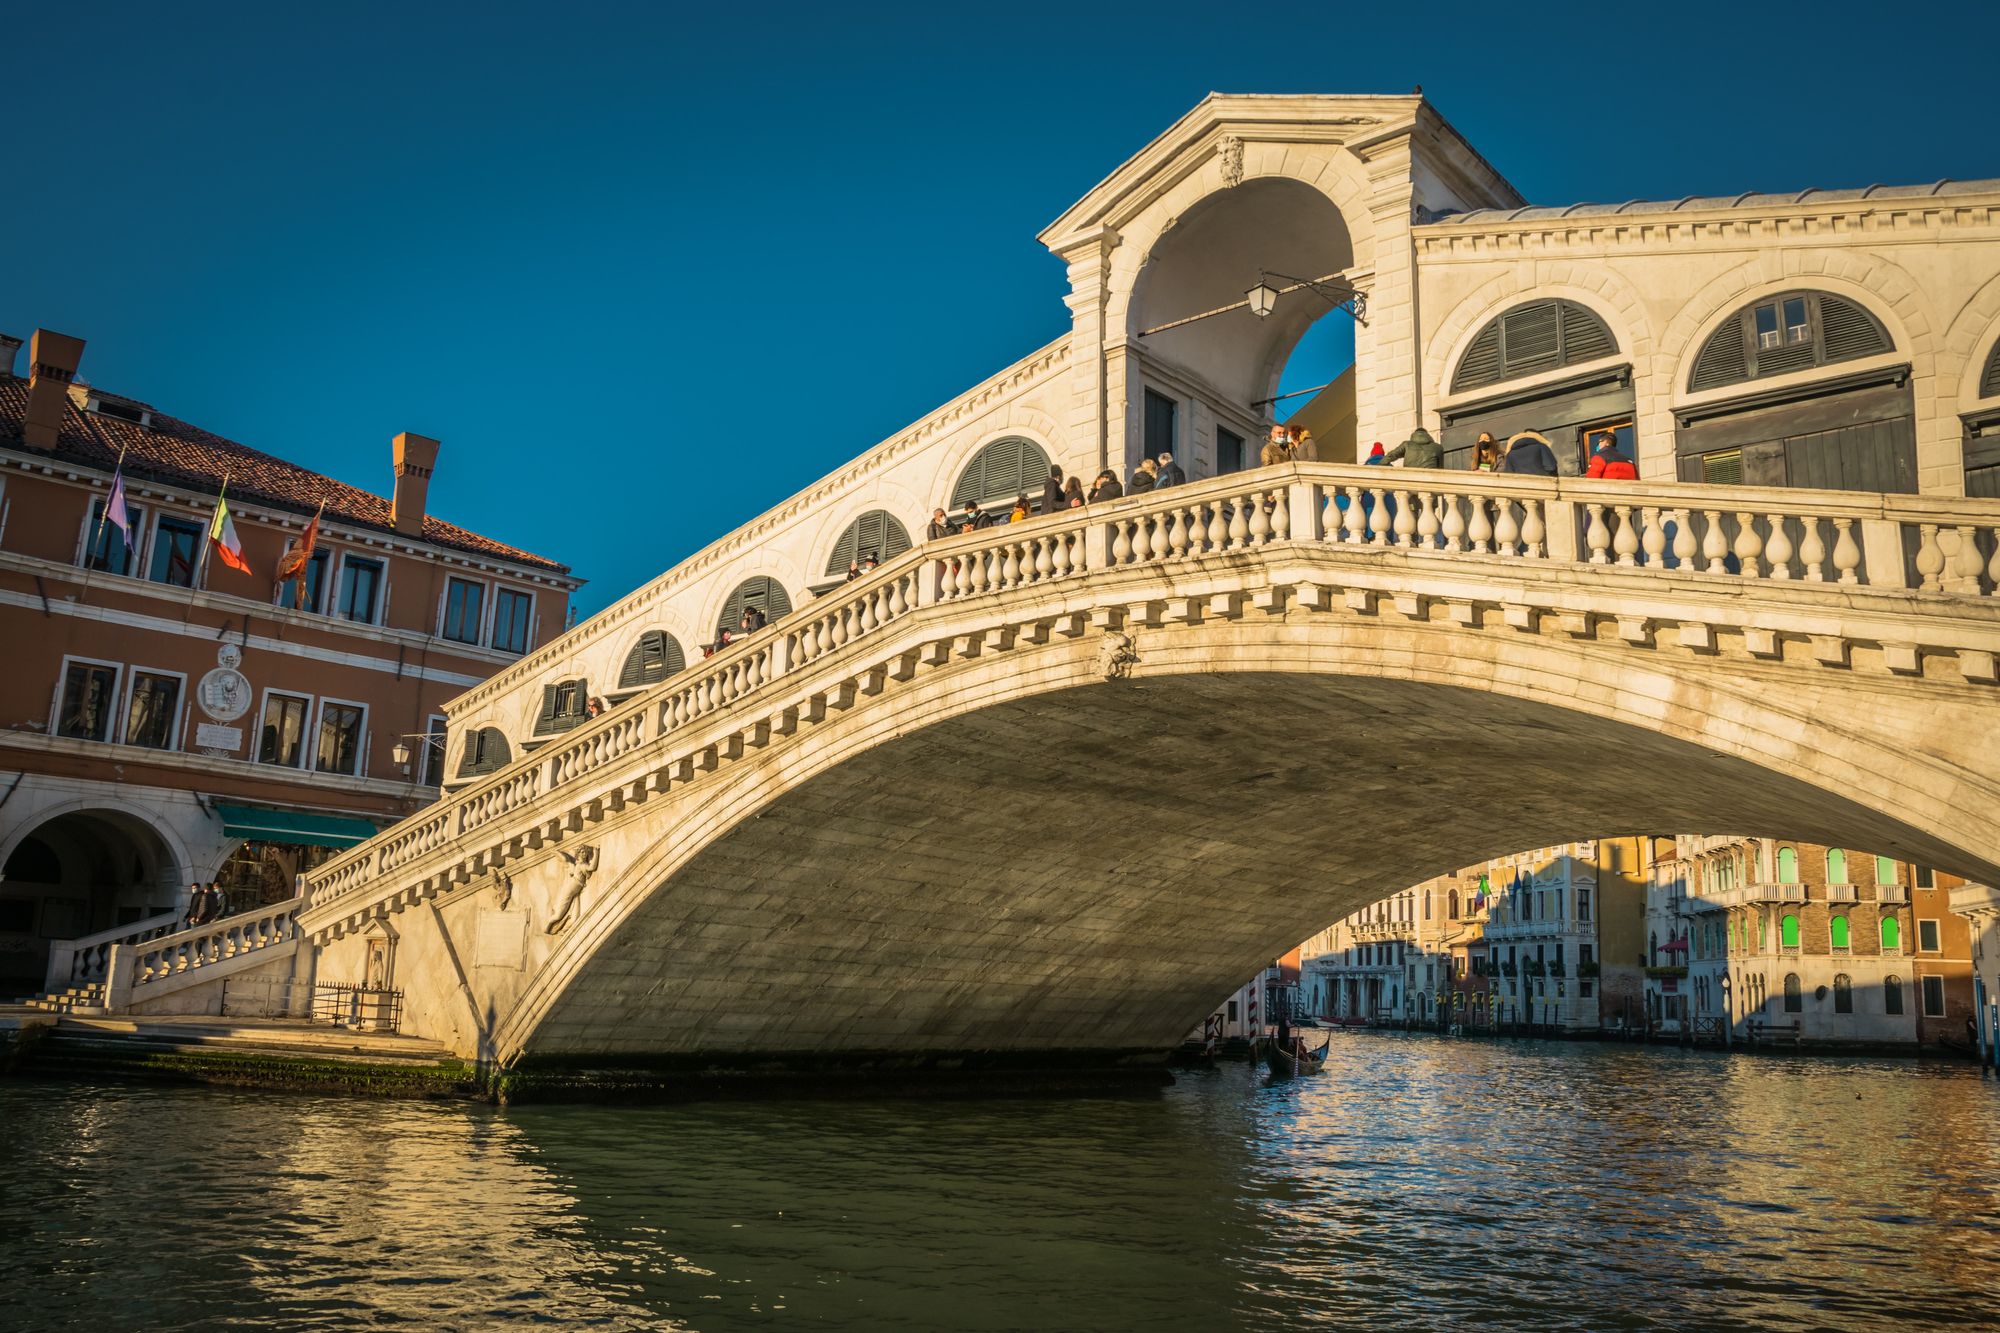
(876, 531)
(999, 472)
(1847, 331)
(1481, 363)
(656, 656)
(1837, 932)
(485, 752)
(1531, 339)
(1724, 358)
(1585, 337)
(1892, 933)
(1989, 379)
(766, 594)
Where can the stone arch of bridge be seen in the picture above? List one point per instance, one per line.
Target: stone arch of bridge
(1017, 853)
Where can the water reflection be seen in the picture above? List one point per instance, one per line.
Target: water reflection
(1420, 1182)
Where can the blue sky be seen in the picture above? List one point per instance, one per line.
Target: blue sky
(646, 271)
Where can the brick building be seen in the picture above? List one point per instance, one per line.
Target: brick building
(165, 718)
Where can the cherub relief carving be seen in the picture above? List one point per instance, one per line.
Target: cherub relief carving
(582, 866)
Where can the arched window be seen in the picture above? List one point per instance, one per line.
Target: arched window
(1531, 338)
(1788, 931)
(1885, 870)
(1836, 866)
(1892, 934)
(1653, 949)
(1452, 904)
(1843, 994)
(485, 752)
(1836, 932)
(1787, 332)
(1427, 904)
(1989, 378)
(999, 472)
(763, 594)
(565, 704)
(875, 533)
(1788, 865)
(1795, 999)
(1892, 995)
(656, 656)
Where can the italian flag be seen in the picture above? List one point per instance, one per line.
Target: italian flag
(222, 531)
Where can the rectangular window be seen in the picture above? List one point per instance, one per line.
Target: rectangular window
(315, 593)
(89, 692)
(1926, 877)
(1933, 997)
(1892, 996)
(1160, 413)
(1927, 936)
(464, 603)
(510, 620)
(360, 589)
(340, 734)
(153, 713)
(1228, 452)
(434, 752)
(176, 552)
(281, 739)
(1885, 870)
(104, 544)
(1583, 904)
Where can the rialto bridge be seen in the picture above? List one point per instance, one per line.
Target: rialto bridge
(1059, 785)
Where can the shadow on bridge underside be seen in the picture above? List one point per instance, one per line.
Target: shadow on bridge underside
(1090, 867)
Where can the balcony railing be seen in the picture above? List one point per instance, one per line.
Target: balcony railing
(1891, 893)
(1842, 893)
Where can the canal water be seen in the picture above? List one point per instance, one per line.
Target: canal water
(1420, 1183)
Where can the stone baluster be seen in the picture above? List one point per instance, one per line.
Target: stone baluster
(1963, 570)
(1597, 537)
(1239, 524)
(1045, 557)
(1353, 525)
(1177, 532)
(1059, 555)
(1427, 522)
(1748, 547)
(1479, 529)
(1993, 564)
(1655, 539)
(869, 619)
(1778, 550)
(1714, 542)
(1535, 531)
(1121, 545)
(1281, 516)
(1930, 558)
(1812, 551)
(1453, 526)
(1625, 542)
(1507, 530)
(1403, 528)
(1260, 518)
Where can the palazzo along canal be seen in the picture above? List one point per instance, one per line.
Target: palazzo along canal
(1423, 1182)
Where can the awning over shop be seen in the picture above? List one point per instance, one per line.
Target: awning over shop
(259, 824)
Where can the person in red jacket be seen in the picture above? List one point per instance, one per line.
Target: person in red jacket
(1607, 462)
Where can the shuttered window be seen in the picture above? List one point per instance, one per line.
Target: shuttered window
(485, 752)
(1989, 379)
(565, 704)
(766, 594)
(1783, 333)
(656, 656)
(875, 533)
(1532, 338)
(999, 472)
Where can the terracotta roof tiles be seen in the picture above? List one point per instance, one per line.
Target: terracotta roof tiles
(174, 452)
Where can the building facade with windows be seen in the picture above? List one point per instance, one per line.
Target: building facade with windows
(168, 718)
(1562, 934)
(1792, 941)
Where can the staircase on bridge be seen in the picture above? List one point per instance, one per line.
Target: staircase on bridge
(146, 961)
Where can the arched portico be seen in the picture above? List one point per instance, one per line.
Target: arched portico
(77, 871)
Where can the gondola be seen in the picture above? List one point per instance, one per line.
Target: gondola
(1298, 1061)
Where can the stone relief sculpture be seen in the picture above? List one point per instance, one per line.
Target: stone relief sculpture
(1116, 655)
(581, 867)
(503, 887)
(1230, 149)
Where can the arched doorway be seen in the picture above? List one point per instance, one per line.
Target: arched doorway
(74, 875)
(1206, 388)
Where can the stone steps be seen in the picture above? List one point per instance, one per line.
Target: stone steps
(73, 1000)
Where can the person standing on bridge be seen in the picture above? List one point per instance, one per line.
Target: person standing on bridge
(1107, 488)
(940, 525)
(1609, 462)
(1052, 490)
(1073, 497)
(1276, 450)
(973, 518)
(1170, 471)
(1306, 450)
(1529, 455)
(1144, 477)
(1420, 450)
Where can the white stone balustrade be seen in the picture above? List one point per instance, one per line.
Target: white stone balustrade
(1627, 529)
(81, 961)
(131, 968)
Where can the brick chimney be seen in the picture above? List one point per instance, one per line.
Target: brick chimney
(52, 362)
(9, 345)
(416, 455)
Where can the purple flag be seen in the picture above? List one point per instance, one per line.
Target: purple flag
(114, 506)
